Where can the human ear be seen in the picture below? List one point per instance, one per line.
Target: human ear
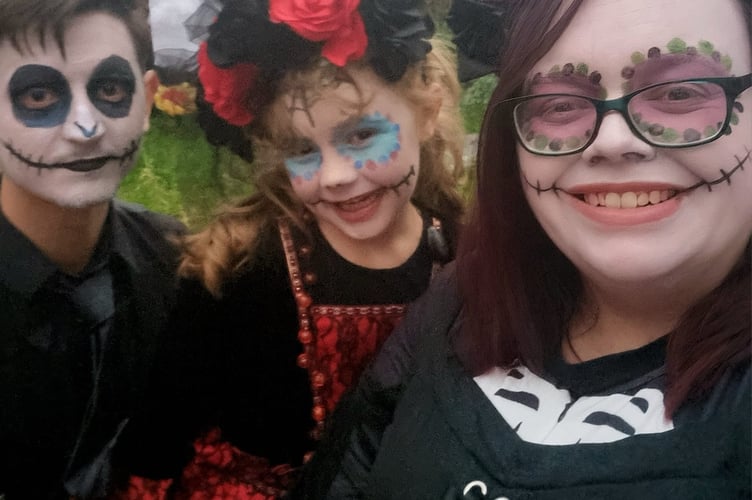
(151, 82)
(429, 115)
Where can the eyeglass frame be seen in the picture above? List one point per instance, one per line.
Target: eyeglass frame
(732, 86)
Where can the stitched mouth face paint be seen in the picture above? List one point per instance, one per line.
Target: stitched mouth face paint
(70, 126)
(82, 165)
(624, 209)
(357, 156)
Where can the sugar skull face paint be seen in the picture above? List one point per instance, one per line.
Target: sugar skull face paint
(355, 167)
(627, 211)
(374, 142)
(72, 123)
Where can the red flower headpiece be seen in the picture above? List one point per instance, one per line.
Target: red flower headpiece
(228, 90)
(335, 22)
(251, 44)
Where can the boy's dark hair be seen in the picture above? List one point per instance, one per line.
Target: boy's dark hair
(20, 20)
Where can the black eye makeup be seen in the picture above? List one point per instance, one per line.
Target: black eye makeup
(112, 86)
(40, 96)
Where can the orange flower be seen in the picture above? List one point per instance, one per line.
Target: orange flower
(176, 99)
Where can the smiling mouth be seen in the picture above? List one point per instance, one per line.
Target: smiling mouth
(83, 165)
(644, 198)
(358, 202)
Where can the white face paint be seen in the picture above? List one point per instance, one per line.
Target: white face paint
(356, 172)
(666, 214)
(72, 125)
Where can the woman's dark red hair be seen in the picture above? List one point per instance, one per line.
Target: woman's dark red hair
(520, 291)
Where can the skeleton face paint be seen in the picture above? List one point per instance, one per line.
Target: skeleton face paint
(356, 169)
(72, 125)
(630, 212)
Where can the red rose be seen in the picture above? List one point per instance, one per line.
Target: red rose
(337, 22)
(227, 89)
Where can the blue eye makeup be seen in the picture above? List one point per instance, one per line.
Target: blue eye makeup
(303, 166)
(371, 142)
(40, 96)
(112, 86)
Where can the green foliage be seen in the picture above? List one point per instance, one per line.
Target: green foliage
(474, 100)
(180, 174)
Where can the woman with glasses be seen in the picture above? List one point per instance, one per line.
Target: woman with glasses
(593, 339)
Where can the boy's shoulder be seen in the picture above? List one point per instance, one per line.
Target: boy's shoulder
(144, 235)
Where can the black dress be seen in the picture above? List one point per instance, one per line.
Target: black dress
(259, 370)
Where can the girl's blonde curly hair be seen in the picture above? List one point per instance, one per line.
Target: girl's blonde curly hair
(228, 243)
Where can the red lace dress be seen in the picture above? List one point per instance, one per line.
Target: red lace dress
(337, 342)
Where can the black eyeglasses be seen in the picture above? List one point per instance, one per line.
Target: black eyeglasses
(676, 114)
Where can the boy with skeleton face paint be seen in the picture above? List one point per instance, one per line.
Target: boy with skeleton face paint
(84, 280)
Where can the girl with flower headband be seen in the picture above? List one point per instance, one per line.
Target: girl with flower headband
(352, 112)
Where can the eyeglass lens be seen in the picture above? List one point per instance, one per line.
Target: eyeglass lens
(672, 114)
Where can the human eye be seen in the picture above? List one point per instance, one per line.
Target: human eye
(303, 161)
(683, 97)
(300, 150)
(38, 98)
(111, 91)
(361, 137)
(559, 109)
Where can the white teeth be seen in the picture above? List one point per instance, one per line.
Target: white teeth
(628, 199)
(613, 200)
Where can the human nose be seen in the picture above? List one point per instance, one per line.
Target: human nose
(336, 169)
(615, 141)
(83, 123)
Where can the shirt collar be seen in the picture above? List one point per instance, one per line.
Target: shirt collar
(24, 268)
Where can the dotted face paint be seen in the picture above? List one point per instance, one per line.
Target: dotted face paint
(676, 113)
(303, 167)
(560, 122)
(374, 142)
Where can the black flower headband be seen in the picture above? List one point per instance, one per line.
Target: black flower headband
(260, 40)
(479, 28)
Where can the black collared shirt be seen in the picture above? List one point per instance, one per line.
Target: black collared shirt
(48, 369)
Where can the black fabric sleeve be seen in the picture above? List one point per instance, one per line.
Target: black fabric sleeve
(341, 466)
(157, 441)
(208, 370)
